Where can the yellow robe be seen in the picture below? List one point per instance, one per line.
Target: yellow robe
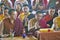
(57, 21)
(1, 17)
(22, 16)
(32, 22)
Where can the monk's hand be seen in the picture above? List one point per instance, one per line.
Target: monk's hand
(48, 25)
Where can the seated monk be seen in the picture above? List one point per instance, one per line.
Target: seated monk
(39, 23)
(12, 23)
(56, 22)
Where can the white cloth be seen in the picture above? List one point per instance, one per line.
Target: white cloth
(10, 3)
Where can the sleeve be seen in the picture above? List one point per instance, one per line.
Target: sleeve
(54, 24)
(29, 25)
(1, 27)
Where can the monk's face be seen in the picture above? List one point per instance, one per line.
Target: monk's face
(18, 7)
(26, 9)
(6, 11)
(33, 7)
(39, 16)
(52, 11)
(14, 15)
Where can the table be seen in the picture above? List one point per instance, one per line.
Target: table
(49, 35)
(18, 38)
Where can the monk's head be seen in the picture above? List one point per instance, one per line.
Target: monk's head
(18, 7)
(40, 6)
(13, 14)
(39, 15)
(25, 8)
(51, 11)
(6, 9)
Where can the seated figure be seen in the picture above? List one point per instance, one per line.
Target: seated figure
(12, 24)
(56, 22)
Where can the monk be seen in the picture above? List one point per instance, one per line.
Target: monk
(12, 23)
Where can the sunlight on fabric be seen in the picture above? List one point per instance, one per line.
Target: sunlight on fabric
(0, 0)
(48, 1)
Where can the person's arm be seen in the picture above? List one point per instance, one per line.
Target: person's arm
(37, 27)
(54, 26)
(29, 25)
(1, 27)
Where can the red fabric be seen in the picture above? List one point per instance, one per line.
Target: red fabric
(47, 18)
(43, 23)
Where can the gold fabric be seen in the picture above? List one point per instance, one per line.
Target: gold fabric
(57, 21)
(32, 22)
(22, 16)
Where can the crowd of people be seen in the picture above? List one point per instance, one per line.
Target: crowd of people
(22, 17)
